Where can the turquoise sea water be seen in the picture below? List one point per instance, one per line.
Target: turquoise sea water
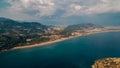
(80, 52)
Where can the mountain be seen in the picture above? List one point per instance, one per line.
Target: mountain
(15, 27)
(5, 19)
(80, 28)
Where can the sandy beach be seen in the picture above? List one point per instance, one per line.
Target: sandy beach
(44, 43)
(62, 39)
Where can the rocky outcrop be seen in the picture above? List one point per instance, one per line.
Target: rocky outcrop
(107, 63)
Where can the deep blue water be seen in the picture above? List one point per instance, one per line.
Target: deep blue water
(80, 52)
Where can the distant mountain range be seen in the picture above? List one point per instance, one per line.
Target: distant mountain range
(82, 26)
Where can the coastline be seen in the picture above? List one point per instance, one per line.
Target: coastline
(107, 62)
(45, 43)
(59, 40)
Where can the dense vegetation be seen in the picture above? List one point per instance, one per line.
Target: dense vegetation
(14, 33)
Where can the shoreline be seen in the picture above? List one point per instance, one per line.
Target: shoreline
(44, 43)
(58, 40)
(107, 62)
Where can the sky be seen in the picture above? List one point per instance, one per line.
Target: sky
(62, 12)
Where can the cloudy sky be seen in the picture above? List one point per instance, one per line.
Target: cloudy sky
(62, 11)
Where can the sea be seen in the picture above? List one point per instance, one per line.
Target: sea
(80, 52)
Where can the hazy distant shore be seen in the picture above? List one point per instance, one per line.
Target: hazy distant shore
(61, 39)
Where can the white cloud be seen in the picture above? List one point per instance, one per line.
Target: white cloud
(105, 6)
(37, 7)
(75, 6)
(40, 8)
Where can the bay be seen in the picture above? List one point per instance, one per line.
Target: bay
(80, 52)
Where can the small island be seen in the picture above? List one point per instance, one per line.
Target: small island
(107, 63)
